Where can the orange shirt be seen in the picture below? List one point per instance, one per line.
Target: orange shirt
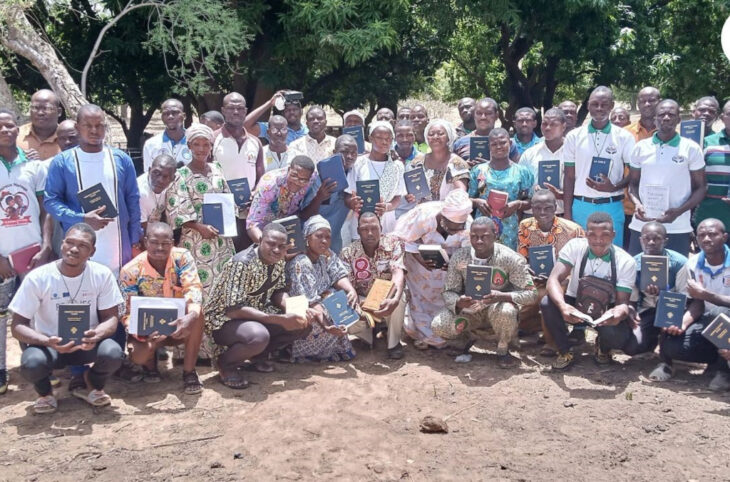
(640, 133)
(28, 139)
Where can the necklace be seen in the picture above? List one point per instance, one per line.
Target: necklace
(78, 290)
(595, 143)
(372, 166)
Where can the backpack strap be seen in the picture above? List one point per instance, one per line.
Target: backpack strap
(612, 257)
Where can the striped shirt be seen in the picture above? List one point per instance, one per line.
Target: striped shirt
(717, 161)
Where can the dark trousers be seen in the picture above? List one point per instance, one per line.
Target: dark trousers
(554, 322)
(692, 347)
(629, 340)
(678, 242)
(38, 362)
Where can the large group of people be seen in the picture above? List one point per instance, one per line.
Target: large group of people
(240, 291)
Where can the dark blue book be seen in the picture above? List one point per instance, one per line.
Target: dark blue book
(241, 191)
(295, 238)
(599, 165)
(213, 215)
(669, 309)
(95, 197)
(369, 192)
(718, 332)
(333, 168)
(541, 259)
(340, 312)
(478, 283)
(416, 183)
(156, 320)
(359, 134)
(654, 271)
(73, 321)
(548, 172)
(694, 130)
(478, 147)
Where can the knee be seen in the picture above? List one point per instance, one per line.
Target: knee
(441, 323)
(545, 303)
(34, 364)
(509, 311)
(109, 354)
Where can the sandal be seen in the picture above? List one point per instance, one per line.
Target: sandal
(420, 345)
(234, 381)
(151, 375)
(47, 404)
(95, 398)
(191, 383)
(263, 366)
(76, 382)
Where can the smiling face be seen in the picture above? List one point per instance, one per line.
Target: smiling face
(706, 111)
(77, 247)
(200, 147)
(316, 121)
(543, 209)
(600, 237)
(482, 239)
(273, 247)
(499, 146)
(600, 104)
(173, 115)
(620, 117)
(437, 137)
(278, 130)
(297, 178)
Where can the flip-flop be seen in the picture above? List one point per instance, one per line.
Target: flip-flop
(47, 404)
(95, 398)
(234, 381)
(191, 383)
(263, 366)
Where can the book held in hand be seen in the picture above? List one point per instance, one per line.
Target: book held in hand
(295, 238)
(541, 259)
(73, 321)
(435, 253)
(669, 309)
(654, 271)
(333, 168)
(548, 172)
(416, 183)
(478, 148)
(20, 258)
(297, 305)
(359, 134)
(225, 215)
(497, 200)
(149, 314)
(379, 292)
(241, 191)
(369, 192)
(340, 312)
(478, 283)
(599, 165)
(95, 197)
(718, 332)
(655, 199)
(213, 215)
(693, 130)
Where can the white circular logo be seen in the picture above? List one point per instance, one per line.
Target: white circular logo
(725, 38)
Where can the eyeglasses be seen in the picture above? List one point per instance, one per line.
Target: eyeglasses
(42, 108)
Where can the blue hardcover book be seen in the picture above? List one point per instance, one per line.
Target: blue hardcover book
(548, 172)
(599, 165)
(541, 259)
(669, 309)
(241, 191)
(295, 237)
(416, 183)
(358, 133)
(369, 192)
(73, 321)
(213, 215)
(333, 168)
(478, 147)
(694, 130)
(95, 197)
(339, 311)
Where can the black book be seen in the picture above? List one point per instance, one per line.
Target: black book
(599, 165)
(718, 332)
(435, 253)
(241, 191)
(478, 147)
(95, 197)
(694, 130)
(213, 215)
(548, 172)
(369, 192)
(541, 259)
(333, 168)
(295, 238)
(669, 309)
(478, 283)
(340, 312)
(73, 321)
(654, 271)
(359, 134)
(416, 183)
(156, 320)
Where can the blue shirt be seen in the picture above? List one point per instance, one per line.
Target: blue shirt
(291, 134)
(676, 262)
(522, 147)
(333, 210)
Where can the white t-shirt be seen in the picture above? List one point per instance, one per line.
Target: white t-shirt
(161, 144)
(43, 290)
(150, 203)
(584, 143)
(667, 165)
(19, 209)
(572, 255)
(275, 160)
(237, 163)
(715, 279)
(531, 159)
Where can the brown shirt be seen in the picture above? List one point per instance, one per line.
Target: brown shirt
(28, 139)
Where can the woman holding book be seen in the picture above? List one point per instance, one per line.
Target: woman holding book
(316, 274)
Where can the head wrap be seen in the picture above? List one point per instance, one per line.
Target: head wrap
(457, 206)
(384, 124)
(198, 130)
(315, 223)
(447, 127)
(354, 112)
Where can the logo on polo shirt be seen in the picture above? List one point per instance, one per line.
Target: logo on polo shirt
(679, 159)
(611, 149)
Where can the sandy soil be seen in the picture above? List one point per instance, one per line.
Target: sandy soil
(360, 421)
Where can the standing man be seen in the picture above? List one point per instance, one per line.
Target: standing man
(238, 153)
(385, 114)
(620, 117)
(316, 145)
(66, 135)
(153, 186)
(599, 139)
(39, 134)
(571, 114)
(419, 117)
(667, 170)
(170, 141)
(717, 159)
(292, 113)
(466, 112)
(404, 113)
(486, 113)
(706, 109)
(276, 152)
(525, 123)
(212, 119)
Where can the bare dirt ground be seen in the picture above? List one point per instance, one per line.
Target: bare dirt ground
(360, 421)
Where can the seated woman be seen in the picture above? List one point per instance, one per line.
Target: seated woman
(316, 274)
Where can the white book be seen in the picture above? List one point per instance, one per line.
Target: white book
(228, 204)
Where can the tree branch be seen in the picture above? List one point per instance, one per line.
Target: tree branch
(474, 76)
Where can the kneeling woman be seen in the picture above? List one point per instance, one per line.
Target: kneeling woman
(317, 274)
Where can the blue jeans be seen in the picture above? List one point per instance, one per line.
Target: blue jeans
(582, 209)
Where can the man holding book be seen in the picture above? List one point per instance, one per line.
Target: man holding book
(486, 113)
(667, 180)
(372, 258)
(73, 304)
(469, 309)
(706, 109)
(601, 281)
(164, 271)
(708, 290)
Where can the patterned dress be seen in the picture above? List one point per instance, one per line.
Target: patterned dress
(516, 181)
(441, 181)
(184, 203)
(315, 281)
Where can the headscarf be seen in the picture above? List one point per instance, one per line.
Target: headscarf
(315, 223)
(384, 124)
(353, 112)
(447, 127)
(198, 130)
(457, 206)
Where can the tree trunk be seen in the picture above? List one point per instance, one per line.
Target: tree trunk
(22, 39)
(7, 99)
